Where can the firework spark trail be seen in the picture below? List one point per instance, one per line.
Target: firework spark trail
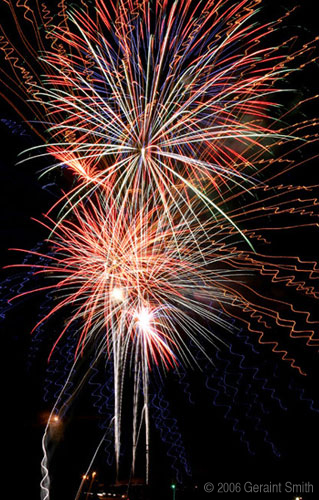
(84, 252)
(137, 293)
(165, 114)
(45, 481)
(14, 285)
(170, 434)
(105, 259)
(312, 404)
(251, 394)
(58, 370)
(60, 407)
(170, 107)
(103, 397)
(263, 381)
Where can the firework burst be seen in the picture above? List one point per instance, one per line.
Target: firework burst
(140, 295)
(166, 114)
(162, 100)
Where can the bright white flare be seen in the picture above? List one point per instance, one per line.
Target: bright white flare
(118, 294)
(144, 318)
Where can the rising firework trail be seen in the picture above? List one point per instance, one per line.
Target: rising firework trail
(139, 292)
(167, 118)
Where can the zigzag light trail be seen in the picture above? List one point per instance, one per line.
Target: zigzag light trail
(167, 117)
(165, 121)
(129, 283)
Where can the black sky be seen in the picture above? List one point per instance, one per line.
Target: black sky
(215, 451)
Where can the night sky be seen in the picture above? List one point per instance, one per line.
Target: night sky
(215, 449)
